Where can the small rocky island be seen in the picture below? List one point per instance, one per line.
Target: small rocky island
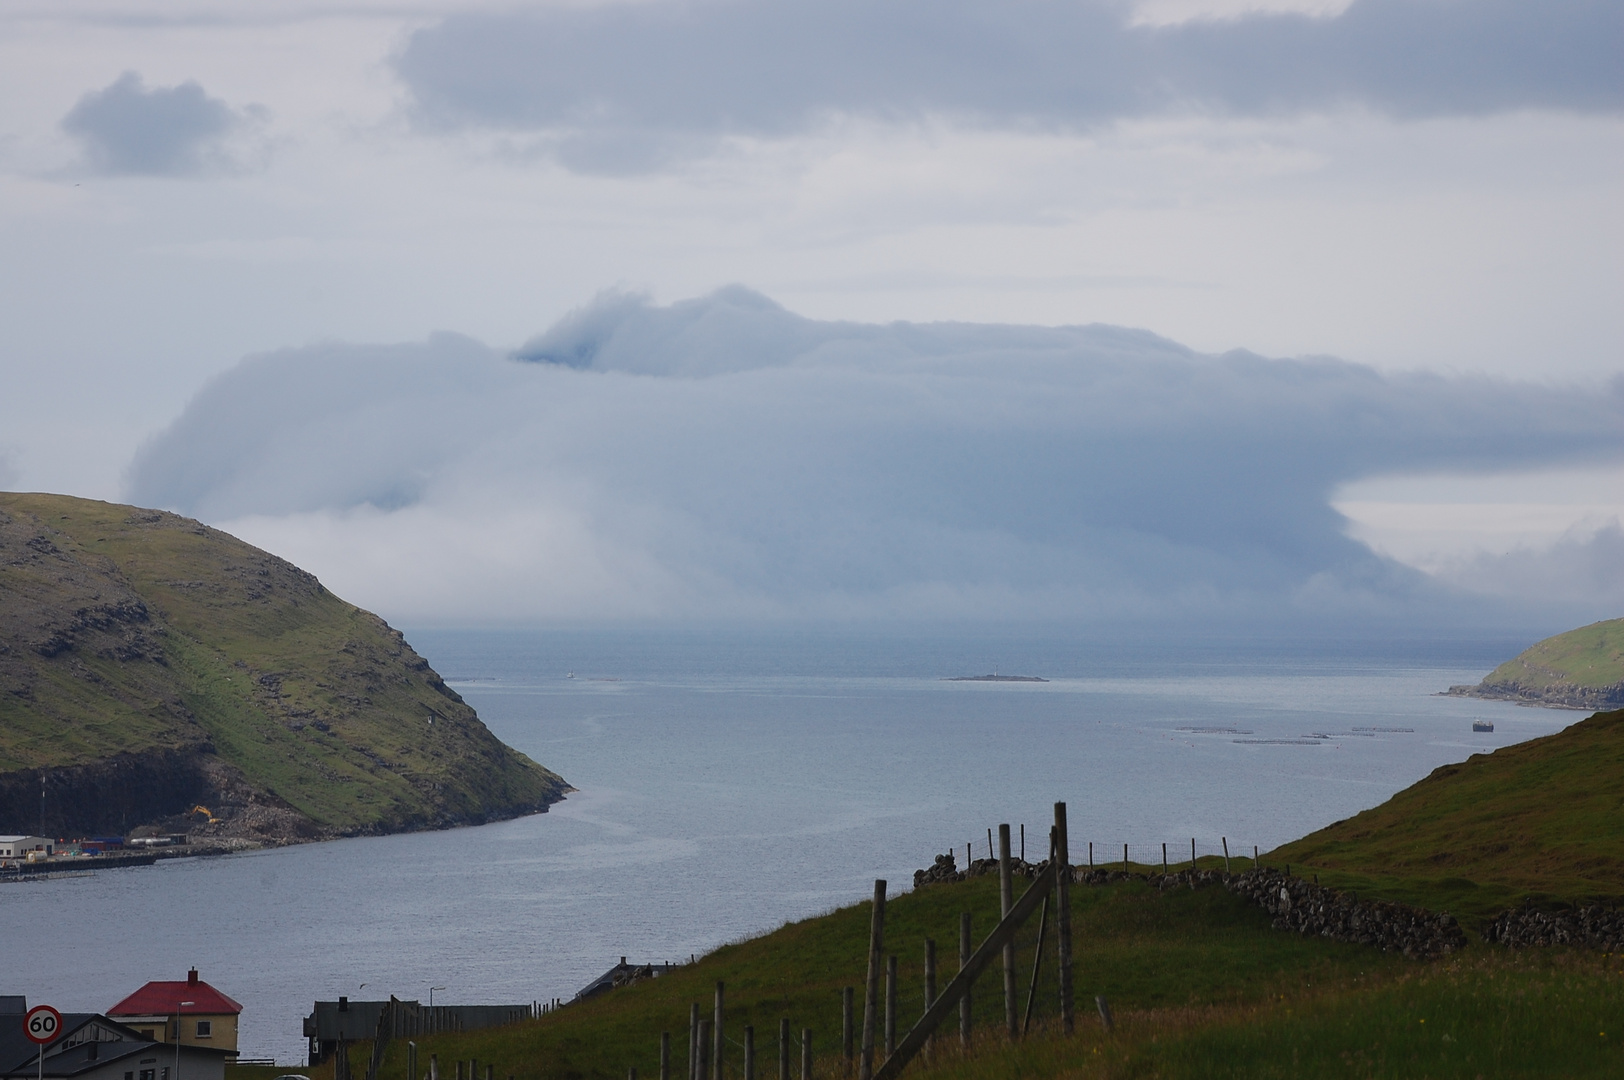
(1581, 669)
(994, 678)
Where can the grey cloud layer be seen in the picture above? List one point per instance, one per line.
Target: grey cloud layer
(756, 67)
(128, 128)
(797, 466)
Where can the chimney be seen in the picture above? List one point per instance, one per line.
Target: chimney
(343, 1004)
(191, 977)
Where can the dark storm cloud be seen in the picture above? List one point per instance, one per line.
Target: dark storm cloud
(620, 72)
(764, 461)
(131, 129)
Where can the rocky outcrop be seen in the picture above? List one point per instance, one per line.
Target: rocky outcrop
(1555, 695)
(1593, 927)
(156, 789)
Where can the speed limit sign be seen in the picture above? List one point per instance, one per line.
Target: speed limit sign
(42, 1024)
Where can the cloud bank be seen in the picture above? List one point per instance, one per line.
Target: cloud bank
(634, 79)
(726, 457)
(129, 129)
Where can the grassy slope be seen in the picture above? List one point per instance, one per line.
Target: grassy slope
(315, 700)
(1591, 657)
(1199, 983)
(1541, 819)
(1141, 949)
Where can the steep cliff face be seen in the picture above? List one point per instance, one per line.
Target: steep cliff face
(1581, 669)
(149, 663)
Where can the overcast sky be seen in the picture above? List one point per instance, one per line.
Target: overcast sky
(1422, 189)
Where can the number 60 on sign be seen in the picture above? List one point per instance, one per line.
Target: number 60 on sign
(42, 1024)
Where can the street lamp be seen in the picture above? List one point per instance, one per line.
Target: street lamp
(178, 1009)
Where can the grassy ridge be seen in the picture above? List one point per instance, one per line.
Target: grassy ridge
(1582, 668)
(1591, 656)
(1540, 820)
(126, 630)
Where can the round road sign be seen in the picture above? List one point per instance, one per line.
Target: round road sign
(42, 1024)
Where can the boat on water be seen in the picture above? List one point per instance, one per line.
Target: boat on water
(1482, 725)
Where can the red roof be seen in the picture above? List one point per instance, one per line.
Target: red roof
(167, 998)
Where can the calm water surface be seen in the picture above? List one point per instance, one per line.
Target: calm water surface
(730, 782)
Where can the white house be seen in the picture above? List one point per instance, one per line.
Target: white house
(18, 847)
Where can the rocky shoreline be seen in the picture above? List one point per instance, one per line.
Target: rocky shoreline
(1559, 696)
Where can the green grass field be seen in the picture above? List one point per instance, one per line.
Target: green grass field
(1199, 984)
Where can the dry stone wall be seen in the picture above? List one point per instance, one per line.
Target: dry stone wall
(1297, 905)
(1594, 927)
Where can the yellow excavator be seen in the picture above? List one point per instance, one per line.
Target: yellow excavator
(206, 812)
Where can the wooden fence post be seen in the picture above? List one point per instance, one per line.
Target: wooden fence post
(1164, 859)
(704, 1053)
(845, 1031)
(1062, 889)
(806, 1054)
(989, 950)
(720, 1048)
(783, 1048)
(1006, 899)
(871, 992)
(1226, 855)
(1192, 855)
(749, 1052)
(665, 1055)
(930, 982)
(1037, 964)
(964, 958)
(693, 1042)
(1124, 858)
(890, 1004)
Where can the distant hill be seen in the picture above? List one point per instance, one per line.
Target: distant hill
(149, 663)
(1537, 820)
(1581, 669)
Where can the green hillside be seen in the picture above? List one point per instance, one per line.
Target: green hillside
(148, 661)
(1542, 819)
(1198, 982)
(1582, 669)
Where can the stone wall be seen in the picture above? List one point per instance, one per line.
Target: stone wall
(1314, 909)
(1594, 927)
(1296, 904)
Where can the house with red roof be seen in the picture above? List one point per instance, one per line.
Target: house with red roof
(192, 1013)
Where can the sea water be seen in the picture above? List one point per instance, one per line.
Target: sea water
(729, 781)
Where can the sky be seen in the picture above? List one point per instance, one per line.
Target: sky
(893, 309)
